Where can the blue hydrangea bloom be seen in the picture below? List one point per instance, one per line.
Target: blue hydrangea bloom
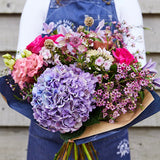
(63, 98)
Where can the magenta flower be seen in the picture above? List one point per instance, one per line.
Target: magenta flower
(75, 41)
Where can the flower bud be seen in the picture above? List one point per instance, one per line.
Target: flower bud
(9, 63)
(9, 60)
(27, 53)
(7, 55)
(49, 44)
(89, 21)
(80, 29)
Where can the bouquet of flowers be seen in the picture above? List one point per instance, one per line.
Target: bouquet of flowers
(74, 79)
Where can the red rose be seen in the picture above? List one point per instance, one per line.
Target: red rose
(36, 45)
(122, 55)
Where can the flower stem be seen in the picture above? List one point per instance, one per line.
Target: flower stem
(69, 150)
(93, 149)
(81, 153)
(75, 152)
(66, 151)
(90, 150)
(60, 152)
(86, 151)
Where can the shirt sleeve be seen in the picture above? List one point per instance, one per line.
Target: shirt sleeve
(31, 23)
(130, 12)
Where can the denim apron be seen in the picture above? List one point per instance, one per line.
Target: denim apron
(111, 145)
(71, 13)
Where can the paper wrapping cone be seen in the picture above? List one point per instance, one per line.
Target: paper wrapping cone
(151, 105)
(123, 120)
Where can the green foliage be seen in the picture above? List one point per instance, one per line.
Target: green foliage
(69, 135)
(94, 117)
(134, 70)
(141, 93)
(113, 68)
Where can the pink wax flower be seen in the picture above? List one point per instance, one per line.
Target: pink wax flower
(36, 45)
(122, 55)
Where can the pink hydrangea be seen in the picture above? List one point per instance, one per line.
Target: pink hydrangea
(20, 71)
(25, 68)
(34, 63)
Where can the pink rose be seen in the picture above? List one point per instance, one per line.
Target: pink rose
(122, 55)
(36, 45)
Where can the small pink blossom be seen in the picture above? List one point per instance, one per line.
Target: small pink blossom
(82, 48)
(75, 41)
(45, 53)
(107, 65)
(111, 121)
(56, 59)
(99, 61)
(115, 114)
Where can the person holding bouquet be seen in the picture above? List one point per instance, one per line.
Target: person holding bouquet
(71, 13)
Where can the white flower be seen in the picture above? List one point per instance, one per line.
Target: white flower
(99, 61)
(106, 54)
(82, 48)
(107, 65)
(56, 59)
(45, 53)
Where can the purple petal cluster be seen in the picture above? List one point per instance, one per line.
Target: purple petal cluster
(122, 93)
(63, 98)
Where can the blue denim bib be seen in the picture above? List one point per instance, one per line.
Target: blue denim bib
(71, 13)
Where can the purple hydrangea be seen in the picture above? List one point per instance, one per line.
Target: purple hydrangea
(63, 98)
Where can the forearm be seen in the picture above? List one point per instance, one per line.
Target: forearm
(31, 23)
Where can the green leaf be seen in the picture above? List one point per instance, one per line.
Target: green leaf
(55, 32)
(69, 135)
(141, 95)
(134, 70)
(94, 117)
(96, 39)
(113, 68)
